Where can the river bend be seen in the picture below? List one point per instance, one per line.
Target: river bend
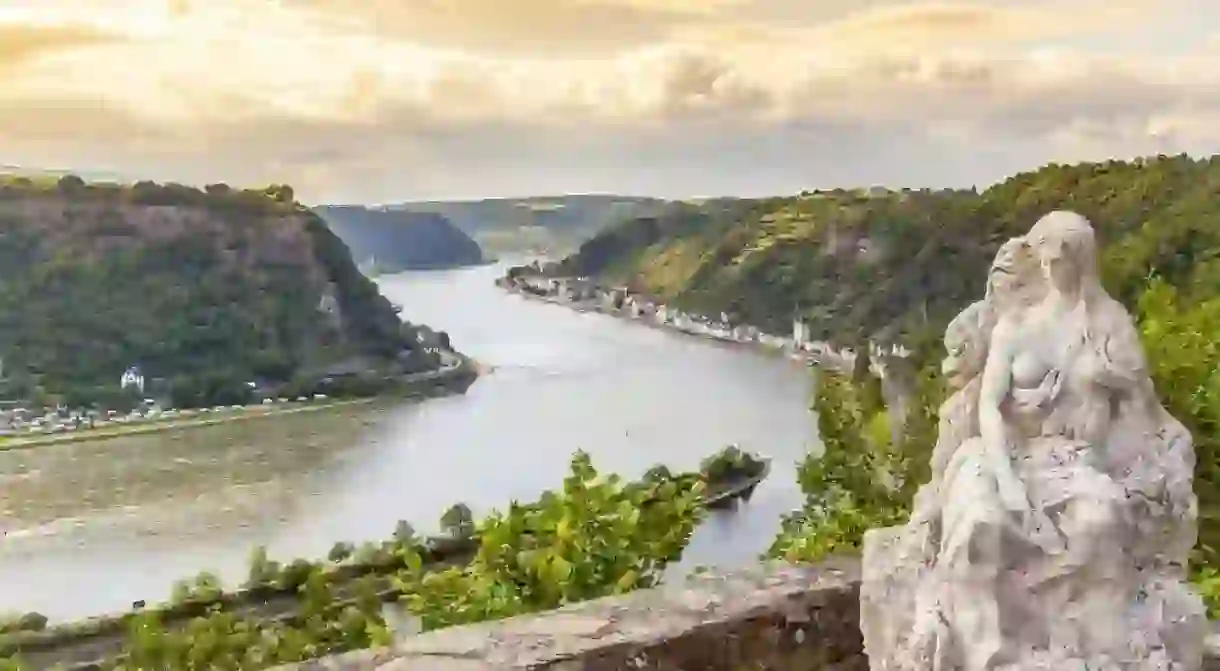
(93, 526)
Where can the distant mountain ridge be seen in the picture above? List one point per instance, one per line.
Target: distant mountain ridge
(536, 223)
(394, 240)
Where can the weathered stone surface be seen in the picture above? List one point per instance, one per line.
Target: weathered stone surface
(772, 618)
(753, 617)
(1060, 514)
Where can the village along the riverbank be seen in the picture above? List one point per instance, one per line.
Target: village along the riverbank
(539, 281)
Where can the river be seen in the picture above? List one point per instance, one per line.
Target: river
(93, 526)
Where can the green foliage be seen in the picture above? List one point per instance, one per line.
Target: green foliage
(203, 588)
(263, 571)
(728, 463)
(859, 481)
(341, 552)
(598, 536)
(224, 640)
(658, 473)
(25, 622)
(1184, 359)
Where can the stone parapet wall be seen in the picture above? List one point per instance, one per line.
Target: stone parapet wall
(774, 617)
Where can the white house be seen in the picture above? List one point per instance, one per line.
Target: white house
(132, 377)
(328, 304)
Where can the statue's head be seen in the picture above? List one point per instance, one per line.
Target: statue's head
(1013, 278)
(1012, 281)
(1066, 248)
(966, 340)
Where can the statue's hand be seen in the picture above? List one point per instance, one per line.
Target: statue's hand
(1041, 396)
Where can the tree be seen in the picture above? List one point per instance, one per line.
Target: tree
(341, 551)
(262, 570)
(281, 193)
(71, 185)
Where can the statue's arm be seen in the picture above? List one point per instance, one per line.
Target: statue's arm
(993, 388)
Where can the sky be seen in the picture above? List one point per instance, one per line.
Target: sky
(380, 101)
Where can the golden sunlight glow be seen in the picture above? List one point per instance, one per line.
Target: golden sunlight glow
(198, 74)
(228, 60)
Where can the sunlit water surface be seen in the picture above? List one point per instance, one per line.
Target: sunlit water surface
(92, 526)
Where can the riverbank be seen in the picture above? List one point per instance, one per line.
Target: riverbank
(696, 326)
(457, 373)
(178, 424)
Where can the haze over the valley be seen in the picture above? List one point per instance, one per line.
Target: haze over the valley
(390, 101)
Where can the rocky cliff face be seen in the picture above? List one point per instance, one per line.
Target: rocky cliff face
(399, 240)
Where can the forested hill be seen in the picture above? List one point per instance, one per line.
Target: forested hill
(394, 240)
(203, 289)
(539, 224)
(882, 264)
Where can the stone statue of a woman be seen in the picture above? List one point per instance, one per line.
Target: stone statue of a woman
(1012, 286)
(1105, 599)
(1038, 563)
(897, 560)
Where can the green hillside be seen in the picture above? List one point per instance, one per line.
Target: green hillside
(204, 290)
(880, 265)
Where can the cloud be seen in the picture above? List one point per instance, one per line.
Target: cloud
(910, 26)
(378, 101)
(21, 44)
(559, 27)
